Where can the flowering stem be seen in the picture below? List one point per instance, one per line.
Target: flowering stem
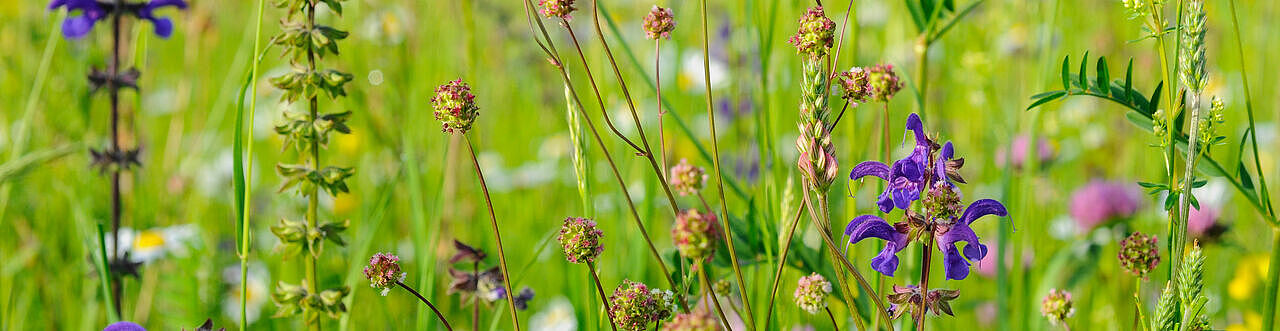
(782, 262)
(428, 302)
(244, 221)
(603, 297)
(114, 90)
(313, 196)
(493, 220)
(550, 50)
(841, 114)
(475, 299)
(657, 79)
(715, 152)
(1138, 319)
(1273, 284)
(706, 288)
(862, 282)
(591, 79)
(924, 281)
(834, 326)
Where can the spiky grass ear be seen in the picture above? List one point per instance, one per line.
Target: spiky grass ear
(1191, 286)
(1166, 316)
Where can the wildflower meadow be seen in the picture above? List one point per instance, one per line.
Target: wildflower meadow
(636, 165)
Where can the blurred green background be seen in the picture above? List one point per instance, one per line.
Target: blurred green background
(414, 190)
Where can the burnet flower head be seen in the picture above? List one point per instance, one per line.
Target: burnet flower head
(581, 240)
(1057, 306)
(930, 172)
(77, 25)
(1139, 254)
(634, 307)
(455, 106)
(854, 85)
(699, 319)
(659, 23)
(687, 179)
(882, 82)
(695, 234)
(383, 272)
(816, 34)
(557, 8)
(811, 293)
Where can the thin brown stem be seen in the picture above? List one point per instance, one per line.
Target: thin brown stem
(834, 326)
(924, 282)
(835, 60)
(715, 152)
(657, 81)
(550, 50)
(591, 79)
(841, 114)
(428, 302)
(782, 263)
(706, 289)
(604, 298)
(493, 220)
(116, 205)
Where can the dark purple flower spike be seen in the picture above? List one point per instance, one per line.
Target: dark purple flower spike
(92, 11)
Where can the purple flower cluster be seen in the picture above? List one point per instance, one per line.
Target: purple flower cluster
(92, 11)
(659, 23)
(942, 219)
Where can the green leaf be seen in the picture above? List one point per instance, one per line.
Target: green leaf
(1104, 77)
(1245, 180)
(1140, 120)
(1128, 81)
(1054, 95)
(1066, 73)
(917, 16)
(1084, 77)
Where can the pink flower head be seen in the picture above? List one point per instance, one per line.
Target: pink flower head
(811, 293)
(816, 34)
(557, 8)
(1102, 201)
(687, 179)
(695, 234)
(659, 23)
(1201, 220)
(1021, 149)
(383, 271)
(581, 240)
(455, 106)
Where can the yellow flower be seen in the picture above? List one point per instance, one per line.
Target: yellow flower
(1252, 321)
(1249, 275)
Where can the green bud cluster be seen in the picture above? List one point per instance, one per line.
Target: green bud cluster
(305, 44)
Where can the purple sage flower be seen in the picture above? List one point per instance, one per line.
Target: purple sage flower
(92, 11)
(943, 217)
(124, 326)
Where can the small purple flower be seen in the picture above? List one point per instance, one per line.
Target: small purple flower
(906, 177)
(522, 299)
(946, 236)
(1101, 201)
(124, 326)
(91, 11)
(1021, 149)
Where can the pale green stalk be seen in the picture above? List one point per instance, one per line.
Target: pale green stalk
(248, 171)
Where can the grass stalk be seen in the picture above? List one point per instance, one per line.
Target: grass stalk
(604, 298)
(782, 263)
(493, 220)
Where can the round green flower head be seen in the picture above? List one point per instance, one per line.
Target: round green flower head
(883, 83)
(581, 240)
(633, 306)
(700, 319)
(659, 23)
(687, 179)
(557, 8)
(695, 234)
(816, 34)
(1057, 307)
(854, 85)
(1139, 254)
(811, 293)
(455, 106)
